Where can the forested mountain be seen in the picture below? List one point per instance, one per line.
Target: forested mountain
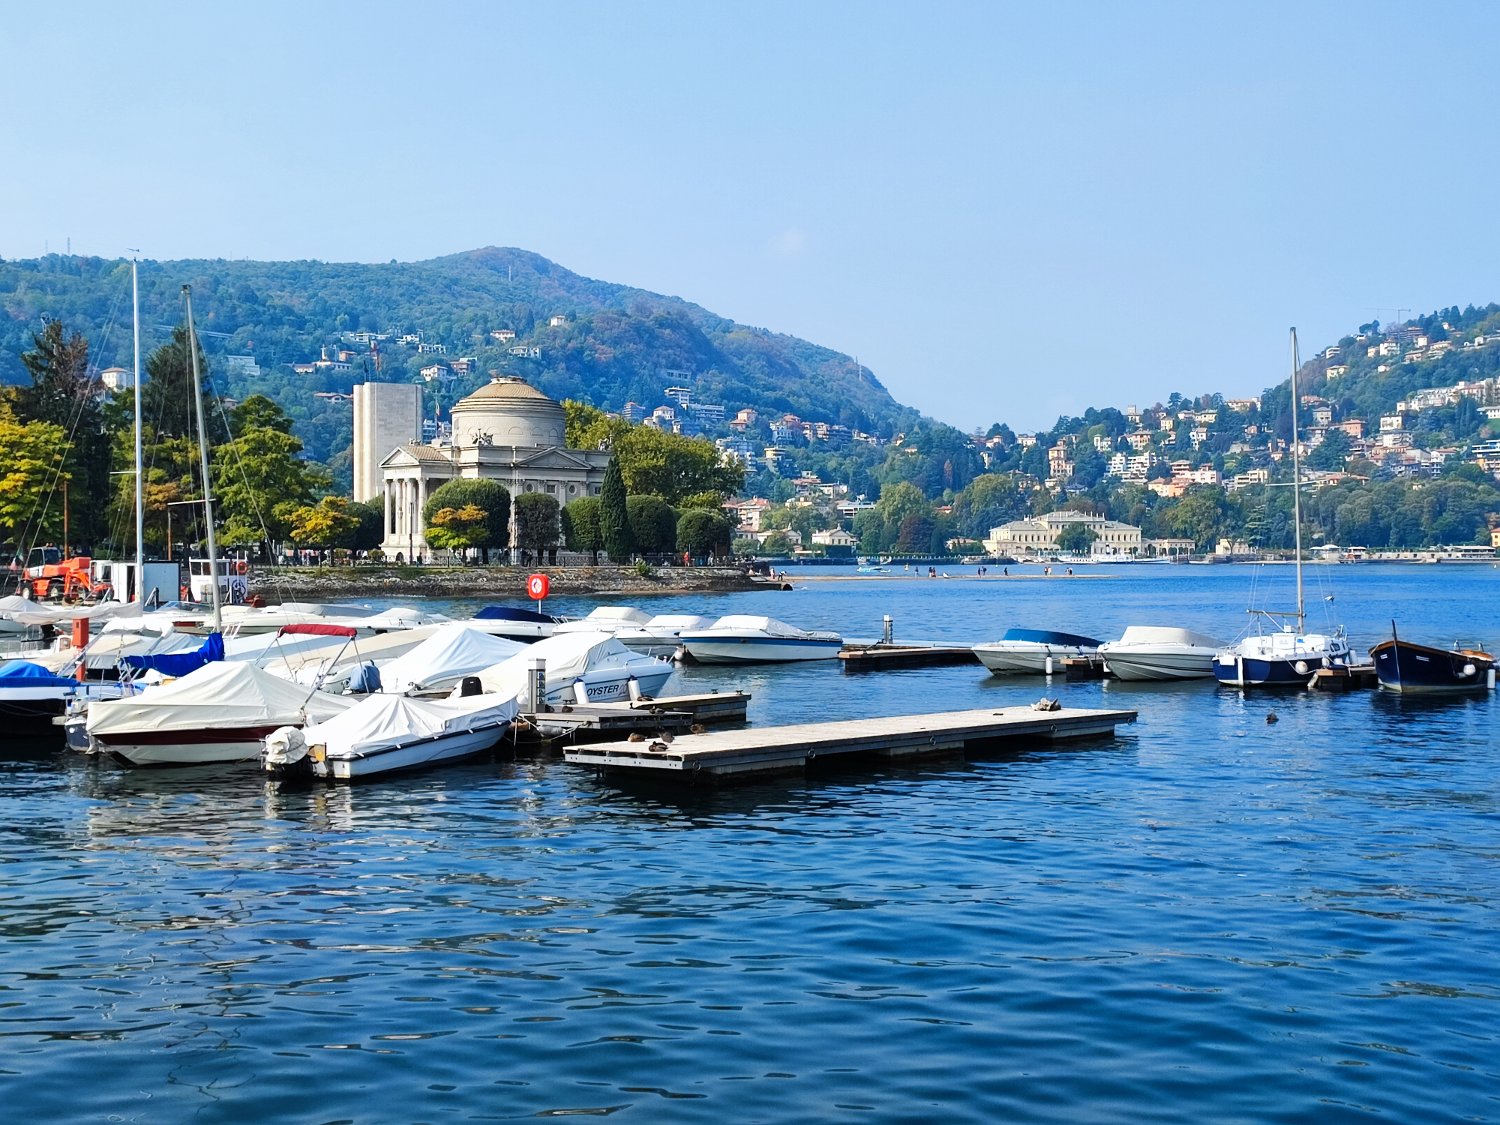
(613, 343)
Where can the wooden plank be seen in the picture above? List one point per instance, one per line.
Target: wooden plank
(718, 754)
(878, 657)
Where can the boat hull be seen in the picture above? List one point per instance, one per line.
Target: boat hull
(1159, 664)
(1027, 659)
(1414, 669)
(427, 752)
(759, 650)
(185, 747)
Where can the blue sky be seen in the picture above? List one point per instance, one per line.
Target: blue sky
(1007, 211)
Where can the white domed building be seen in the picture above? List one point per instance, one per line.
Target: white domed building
(506, 431)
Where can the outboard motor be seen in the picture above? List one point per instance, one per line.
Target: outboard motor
(285, 755)
(470, 685)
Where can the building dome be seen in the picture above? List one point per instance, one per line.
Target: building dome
(509, 411)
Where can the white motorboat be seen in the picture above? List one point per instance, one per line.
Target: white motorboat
(513, 623)
(742, 638)
(662, 635)
(606, 619)
(384, 733)
(580, 668)
(449, 653)
(219, 713)
(1157, 652)
(1034, 651)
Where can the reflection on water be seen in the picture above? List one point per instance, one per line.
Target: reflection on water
(1209, 917)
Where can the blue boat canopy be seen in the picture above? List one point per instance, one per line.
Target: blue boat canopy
(23, 673)
(179, 663)
(1049, 637)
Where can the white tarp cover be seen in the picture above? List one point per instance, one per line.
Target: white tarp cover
(568, 656)
(28, 612)
(606, 619)
(219, 696)
(381, 722)
(1164, 635)
(749, 623)
(451, 651)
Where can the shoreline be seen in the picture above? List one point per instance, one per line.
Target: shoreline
(314, 583)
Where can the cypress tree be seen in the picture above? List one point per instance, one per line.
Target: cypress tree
(614, 518)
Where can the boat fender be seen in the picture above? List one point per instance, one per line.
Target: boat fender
(1301, 667)
(1468, 669)
(285, 746)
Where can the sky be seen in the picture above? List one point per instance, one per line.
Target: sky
(1007, 211)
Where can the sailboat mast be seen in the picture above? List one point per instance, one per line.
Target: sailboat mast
(208, 502)
(140, 485)
(1297, 484)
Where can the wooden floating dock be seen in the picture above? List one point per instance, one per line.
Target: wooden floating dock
(880, 656)
(719, 755)
(604, 722)
(1084, 668)
(1344, 678)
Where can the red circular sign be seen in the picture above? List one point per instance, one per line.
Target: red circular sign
(538, 586)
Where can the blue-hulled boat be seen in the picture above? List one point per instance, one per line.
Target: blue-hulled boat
(1425, 670)
(1287, 656)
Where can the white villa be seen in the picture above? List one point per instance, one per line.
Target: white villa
(1039, 536)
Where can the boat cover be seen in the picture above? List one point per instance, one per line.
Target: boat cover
(219, 696)
(25, 674)
(178, 663)
(607, 618)
(676, 622)
(511, 613)
(1050, 637)
(568, 656)
(451, 651)
(381, 722)
(1164, 635)
(750, 623)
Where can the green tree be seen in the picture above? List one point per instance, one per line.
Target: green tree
(30, 473)
(167, 404)
(328, 523)
(653, 524)
(537, 527)
(580, 526)
(704, 534)
(490, 497)
(62, 392)
(1076, 539)
(1330, 453)
(259, 479)
(371, 516)
(614, 517)
(458, 529)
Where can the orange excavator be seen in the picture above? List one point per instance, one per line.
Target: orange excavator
(49, 575)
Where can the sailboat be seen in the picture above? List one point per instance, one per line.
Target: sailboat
(1287, 656)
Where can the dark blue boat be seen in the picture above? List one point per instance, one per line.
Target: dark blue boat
(1424, 670)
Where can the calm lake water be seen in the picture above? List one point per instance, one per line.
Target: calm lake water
(1206, 918)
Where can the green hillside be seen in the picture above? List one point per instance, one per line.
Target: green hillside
(616, 343)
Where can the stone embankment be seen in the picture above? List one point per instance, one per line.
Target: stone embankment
(319, 583)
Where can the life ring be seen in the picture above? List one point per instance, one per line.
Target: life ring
(241, 567)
